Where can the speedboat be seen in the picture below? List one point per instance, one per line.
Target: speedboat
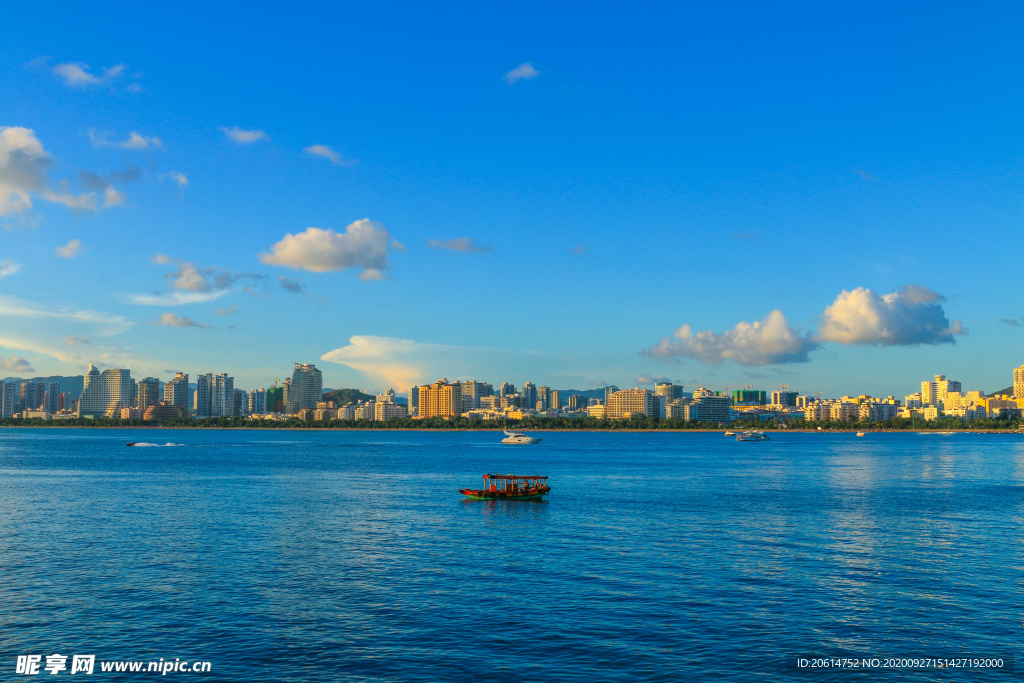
(752, 436)
(860, 433)
(730, 433)
(130, 443)
(519, 438)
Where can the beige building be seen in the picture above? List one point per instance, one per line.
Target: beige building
(440, 399)
(631, 403)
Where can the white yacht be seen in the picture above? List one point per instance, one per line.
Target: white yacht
(519, 438)
(752, 435)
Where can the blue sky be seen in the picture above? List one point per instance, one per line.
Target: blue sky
(570, 195)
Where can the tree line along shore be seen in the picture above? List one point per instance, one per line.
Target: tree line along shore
(642, 423)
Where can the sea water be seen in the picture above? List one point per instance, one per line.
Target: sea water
(349, 555)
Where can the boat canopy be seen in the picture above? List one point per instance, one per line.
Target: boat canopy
(512, 477)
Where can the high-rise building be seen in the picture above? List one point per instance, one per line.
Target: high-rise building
(529, 394)
(306, 388)
(934, 392)
(258, 402)
(543, 398)
(440, 399)
(608, 391)
(472, 392)
(32, 395)
(149, 393)
(506, 389)
(6, 399)
(53, 397)
(670, 391)
(414, 400)
(105, 393)
(176, 391)
(556, 400)
(1018, 382)
(631, 403)
(784, 398)
(215, 395)
(241, 403)
(578, 402)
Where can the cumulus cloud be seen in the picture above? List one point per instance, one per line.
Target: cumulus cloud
(523, 72)
(135, 141)
(327, 153)
(78, 75)
(463, 244)
(70, 250)
(763, 342)
(8, 267)
(172, 320)
(15, 364)
(23, 167)
(192, 284)
(245, 137)
(78, 203)
(910, 316)
(364, 244)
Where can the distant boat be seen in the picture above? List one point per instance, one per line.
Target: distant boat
(509, 487)
(519, 438)
(130, 443)
(752, 435)
(730, 433)
(860, 433)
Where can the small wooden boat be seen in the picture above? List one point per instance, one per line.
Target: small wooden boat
(509, 487)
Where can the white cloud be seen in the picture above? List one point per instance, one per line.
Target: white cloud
(230, 310)
(176, 298)
(8, 267)
(78, 75)
(398, 363)
(110, 324)
(245, 137)
(15, 364)
(909, 316)
(327, 153)
(463, 244)
(23, 167)
(172, 320)
(76, 339)
(161, 260)
(71, 249)
(364, 244)
(85, 201)
(134, 141)
(179, 178)
(763, 342)
(523, 72)
(648, 379)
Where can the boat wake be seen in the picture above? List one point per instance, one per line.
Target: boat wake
(140, 444)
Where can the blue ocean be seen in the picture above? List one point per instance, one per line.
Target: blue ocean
(350, 555)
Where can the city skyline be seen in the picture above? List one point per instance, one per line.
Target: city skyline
(677, 194)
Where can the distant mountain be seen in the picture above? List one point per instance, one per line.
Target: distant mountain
(1007, 390)
(67, 384)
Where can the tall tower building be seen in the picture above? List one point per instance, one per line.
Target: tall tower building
(306, 388)
(1018, 382)
(258, 401)
(506, 389)
(106, 393)
(933, 393)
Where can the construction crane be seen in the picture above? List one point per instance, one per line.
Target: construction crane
(275, 379)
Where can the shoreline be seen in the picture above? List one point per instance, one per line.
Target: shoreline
(960, 430)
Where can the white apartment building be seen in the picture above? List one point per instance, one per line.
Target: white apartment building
(104, 394)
